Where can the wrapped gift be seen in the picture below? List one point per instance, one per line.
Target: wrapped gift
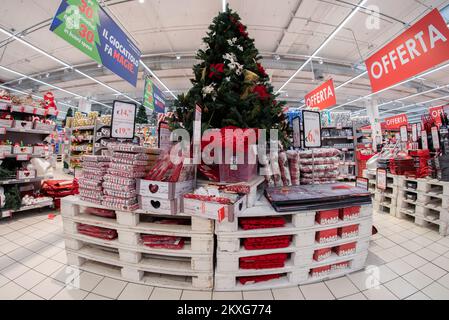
(348, 232)
(327, 217)
(346, 249)
(322, 254)
(348, 214)
(326, 236)
(320, 271)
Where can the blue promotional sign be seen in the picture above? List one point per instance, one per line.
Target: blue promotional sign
(153, 98)
(85, 25)
(159, 101)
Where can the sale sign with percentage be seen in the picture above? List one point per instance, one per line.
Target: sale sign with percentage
(123, 120)
(85, 25)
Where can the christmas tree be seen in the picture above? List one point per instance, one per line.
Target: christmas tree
(230, 84)
(142, 117)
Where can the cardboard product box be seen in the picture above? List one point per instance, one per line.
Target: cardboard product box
(5, 123)
(326, 236)
(346, 249)
(159, 206)
(213, 210)
(322, 254)
(340, 266)
(22, 150)
(44, 126)
(327, 217)
(320, 271)
(348, 214)
(26, 174)
(163, 190)
(348, 232)
(19, 124)
(6, 149)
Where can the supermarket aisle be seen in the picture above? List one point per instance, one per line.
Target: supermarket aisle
(411, 263)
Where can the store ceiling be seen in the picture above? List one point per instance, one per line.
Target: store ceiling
(166, 29)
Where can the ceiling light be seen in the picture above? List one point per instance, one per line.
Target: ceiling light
(320, 61)
(331, 36)
(277, 57)
(223, 3)
(157, 78)
(141, 1)
(178, 57)
(47, 75)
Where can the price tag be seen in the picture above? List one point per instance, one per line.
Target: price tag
(2, 130)
(415, 132)
(123, 120)
(27, 180)
(404, 134)
(425, 144)
(22, 157)
(435, 138)
(419, 129)
(381, 179)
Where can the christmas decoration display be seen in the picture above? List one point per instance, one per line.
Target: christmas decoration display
(49, 101)
(230, 83)
(142, 117)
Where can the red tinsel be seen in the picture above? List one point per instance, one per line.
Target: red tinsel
(216, 70)
(262, 92)
(261, 70)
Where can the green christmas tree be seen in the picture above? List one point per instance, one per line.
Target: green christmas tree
(69, 114)
(230, 84)
(142, 117)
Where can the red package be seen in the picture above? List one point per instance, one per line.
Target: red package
(346, 249)
(349, 231)
(327, 217)
(262, 223)
(322, 254)
(352, 213)
(326, 236)
(163, 242)
(267, 243)
(256, 279)
(340, 266)
(101, 212)
(269, 261)
(97, 232)
(320, 271)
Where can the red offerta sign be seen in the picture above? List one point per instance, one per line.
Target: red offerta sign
(322, 97)
(396, 122)
(421, 47)
(436, 113)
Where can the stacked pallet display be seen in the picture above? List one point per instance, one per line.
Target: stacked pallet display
(261, 248)
(385, 201)
(371, 176)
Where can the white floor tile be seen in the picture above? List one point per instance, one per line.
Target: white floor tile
(165, 294)
(379, 293)
(423, 240)
(49, 251)
(385, 274)
(20, 254)
(5, 261)
(11, 291)
(397, 238)
(92, 296)
(29, 296)
(292, 293)
(409, 234)
(442, 262)
(33, 260)
(385, 243)
(387, 255)
(48, 267)
(196, 295)
(444, 242)
(418, 279)
(70, 294)
(434, 236)
(4, 230)
(418, 296)
(23, 240)
(341, 287)
(36, 245)
(47, 288)
(14, 270)
(432, 271)
(436, 292)
(109, 287)
(400, 267)
(134, 291)
(258, 295)
(316, 291)
(227, 295)
(88, 281)
(8, 247)
(60, 257)
(362, 279)
(414, 260)
(444, 281)
(357, 296)
(398, 251)
(3, 280)
(29, 279)
(401, 288)
(427, 254)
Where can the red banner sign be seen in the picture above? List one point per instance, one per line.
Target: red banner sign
(396, 122)
(436, 113)
(421, 47)
(322, 97)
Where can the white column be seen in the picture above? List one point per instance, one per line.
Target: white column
(373, 114)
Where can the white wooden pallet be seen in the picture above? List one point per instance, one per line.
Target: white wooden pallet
(301, 276)
(433, 187)
(443, 227)
(384, 208)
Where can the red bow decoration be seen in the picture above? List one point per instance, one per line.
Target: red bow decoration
(216, 70)
(261, 70)
(262, 92)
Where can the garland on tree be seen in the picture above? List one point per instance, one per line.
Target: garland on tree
(230, 84)
(142, 117)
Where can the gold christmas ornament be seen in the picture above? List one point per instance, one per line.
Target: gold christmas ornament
(251, 79)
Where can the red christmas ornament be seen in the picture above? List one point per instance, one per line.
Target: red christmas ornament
(262, 92)
(261, 70)
(216, 70)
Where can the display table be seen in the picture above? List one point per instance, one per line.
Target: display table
(192, 266)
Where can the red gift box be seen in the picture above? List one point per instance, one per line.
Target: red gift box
(322, 254)
(326, 236)
(327, 217)
(351, 213)
(349, 231)
(320, 271)
(346, 249)
(340, 266)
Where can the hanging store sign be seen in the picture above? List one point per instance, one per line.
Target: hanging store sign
(415, 132)
(123, 120)
(436, 113)
(322, 97)
(153, 98)
(421, 47)
(396, 122)
(311, 123)
(85, 25)
(404, 134)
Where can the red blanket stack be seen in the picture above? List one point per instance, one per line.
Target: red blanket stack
(97, 232)
(101, 212)
(256, 279)
(163, 242)
(262, 223)
(267, 243)
(269, 261)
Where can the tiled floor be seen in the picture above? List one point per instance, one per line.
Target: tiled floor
(405, 262)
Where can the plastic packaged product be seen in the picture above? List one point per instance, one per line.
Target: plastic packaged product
(91, 188)
(131, 162)
(274, 160)
(262, 223)
(257, 279)
(120, 194)
(121, 207)
(121, 201)
(93, 177)
(131, 156)
(126, 174)
(120, 180)
(267, 243)
(118, 187)
(105, 213)
(127, 167)
(91, 200)
(95, 165)
(96, 158)
(285, 171)
(293, 163)
(97, 232)
(89, 183)
(95, 171)
(320, 271)
(90, 194)
(269, 261)
(163, 242)
(127, 147)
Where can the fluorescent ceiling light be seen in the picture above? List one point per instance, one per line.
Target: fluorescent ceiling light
(331, 36)
(351, 80)
(157, 78)
(416, 104)
(223, 2)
